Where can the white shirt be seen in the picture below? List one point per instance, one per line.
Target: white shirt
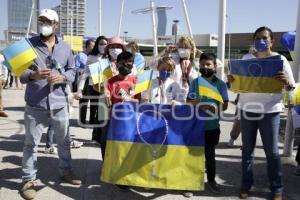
(163, 93)
(264, 102)
(3, 69)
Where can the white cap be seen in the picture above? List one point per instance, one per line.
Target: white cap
(49, 14)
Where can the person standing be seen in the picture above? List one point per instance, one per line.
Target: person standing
(46, 102)
(3, 78)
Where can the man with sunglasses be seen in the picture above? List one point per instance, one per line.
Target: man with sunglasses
(47, 102)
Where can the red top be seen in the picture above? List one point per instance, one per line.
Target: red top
(120, 89)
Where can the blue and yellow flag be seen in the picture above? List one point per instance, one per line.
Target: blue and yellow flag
(296, 110)
(256, 75)
(143, 81)
(19, 56)
(148, 145)
(288, 41)
(100, 71)
(139, 62)
(208, 90)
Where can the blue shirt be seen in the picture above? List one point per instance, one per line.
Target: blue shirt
(80, 60)
(193, 93)
(39, 93)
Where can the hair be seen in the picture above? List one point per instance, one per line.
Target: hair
(88, 42)
(209, 56)
(125, 56)
(95, 50)
(167, 60)
(133, 44)
(263, 28)
(186, 42)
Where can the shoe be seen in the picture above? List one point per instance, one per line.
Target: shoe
(297, 171)
(3, 114)
(28, 190)
(123, 188)
(214, 187)
(188, 194)
(230, 143)
(50, 150)
(76, 144)
(277, 197)
(71, 178)
(244, 194)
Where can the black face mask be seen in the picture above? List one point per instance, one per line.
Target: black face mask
(205, 72)
(124, 70)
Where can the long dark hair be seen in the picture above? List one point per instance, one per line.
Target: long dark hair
(95, 50)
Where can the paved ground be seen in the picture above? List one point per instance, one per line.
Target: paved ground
(87, 164)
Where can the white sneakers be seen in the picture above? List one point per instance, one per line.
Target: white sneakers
(50, 150)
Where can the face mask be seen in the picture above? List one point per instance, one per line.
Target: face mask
(115, 52)
(184, 53)
(101, 48)
(46, 30)
(261, 45)
(205, 72)
(164, 74)
(124, 70)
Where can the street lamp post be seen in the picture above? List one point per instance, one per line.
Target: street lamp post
(175, 30)
(125, 36)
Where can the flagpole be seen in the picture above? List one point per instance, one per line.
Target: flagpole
(120, 19)
(297, 48)
(153, 11)
(30, 19)
(187, 19)
(221, 35)
(100, 17)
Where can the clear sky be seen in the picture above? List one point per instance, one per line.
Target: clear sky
(243, 16)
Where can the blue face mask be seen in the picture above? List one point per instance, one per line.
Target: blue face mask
(261, 45)
(164, 74)
(101, 48)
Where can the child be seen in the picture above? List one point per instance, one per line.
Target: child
(164, 90)
(212, 127)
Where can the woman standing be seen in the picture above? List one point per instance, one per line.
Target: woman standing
(266, 119)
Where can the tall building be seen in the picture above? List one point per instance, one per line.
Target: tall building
(72, 17)
(18, 18)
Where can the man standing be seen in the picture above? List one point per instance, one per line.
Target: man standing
(3, 77)
(46, 101)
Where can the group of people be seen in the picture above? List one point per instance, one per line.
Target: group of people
(176, 72)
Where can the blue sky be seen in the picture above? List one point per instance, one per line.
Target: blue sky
(243, 16)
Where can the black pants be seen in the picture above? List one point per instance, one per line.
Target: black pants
(9, 80)
(89, 95)
(211, 140)
(298, 154)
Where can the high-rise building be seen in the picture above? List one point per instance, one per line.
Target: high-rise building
(18, 18)
(72, 17)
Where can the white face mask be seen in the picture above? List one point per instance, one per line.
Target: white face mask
(184, 53)
(115, 52)
(46, 30)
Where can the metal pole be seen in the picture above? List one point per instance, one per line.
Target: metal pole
(100, 17)
(71, 28)
(30, 19)
(153, 11)
(221, 35)
(289, 129)
(120, 19)
(187, 18)
(297, 48)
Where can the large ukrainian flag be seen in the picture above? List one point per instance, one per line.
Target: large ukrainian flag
(256, 75)
(149, 146)
(208, 90)
(100, 71)
(143, 81)
(19, 56)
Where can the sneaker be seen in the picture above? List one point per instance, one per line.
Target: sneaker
(230, 143)
(3, 114)
(244, 194)
(28, 190)
(76, 144)
(50, 150)
(123, 188)
(297, 171)
(277, 197)
(188, 194)
(214, 187)
(71, 178)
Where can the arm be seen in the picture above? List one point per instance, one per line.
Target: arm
(69, 71)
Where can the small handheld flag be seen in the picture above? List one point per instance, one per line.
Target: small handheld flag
(208, 90)
(288, 41)
(139, 62)
(296, 109)
(143, 81)
(19, 56)
(100, 71)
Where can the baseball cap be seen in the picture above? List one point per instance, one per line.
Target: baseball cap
(49, 14)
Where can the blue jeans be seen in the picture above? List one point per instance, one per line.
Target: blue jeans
(50, 137)
(35, 120)
(268, 127)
